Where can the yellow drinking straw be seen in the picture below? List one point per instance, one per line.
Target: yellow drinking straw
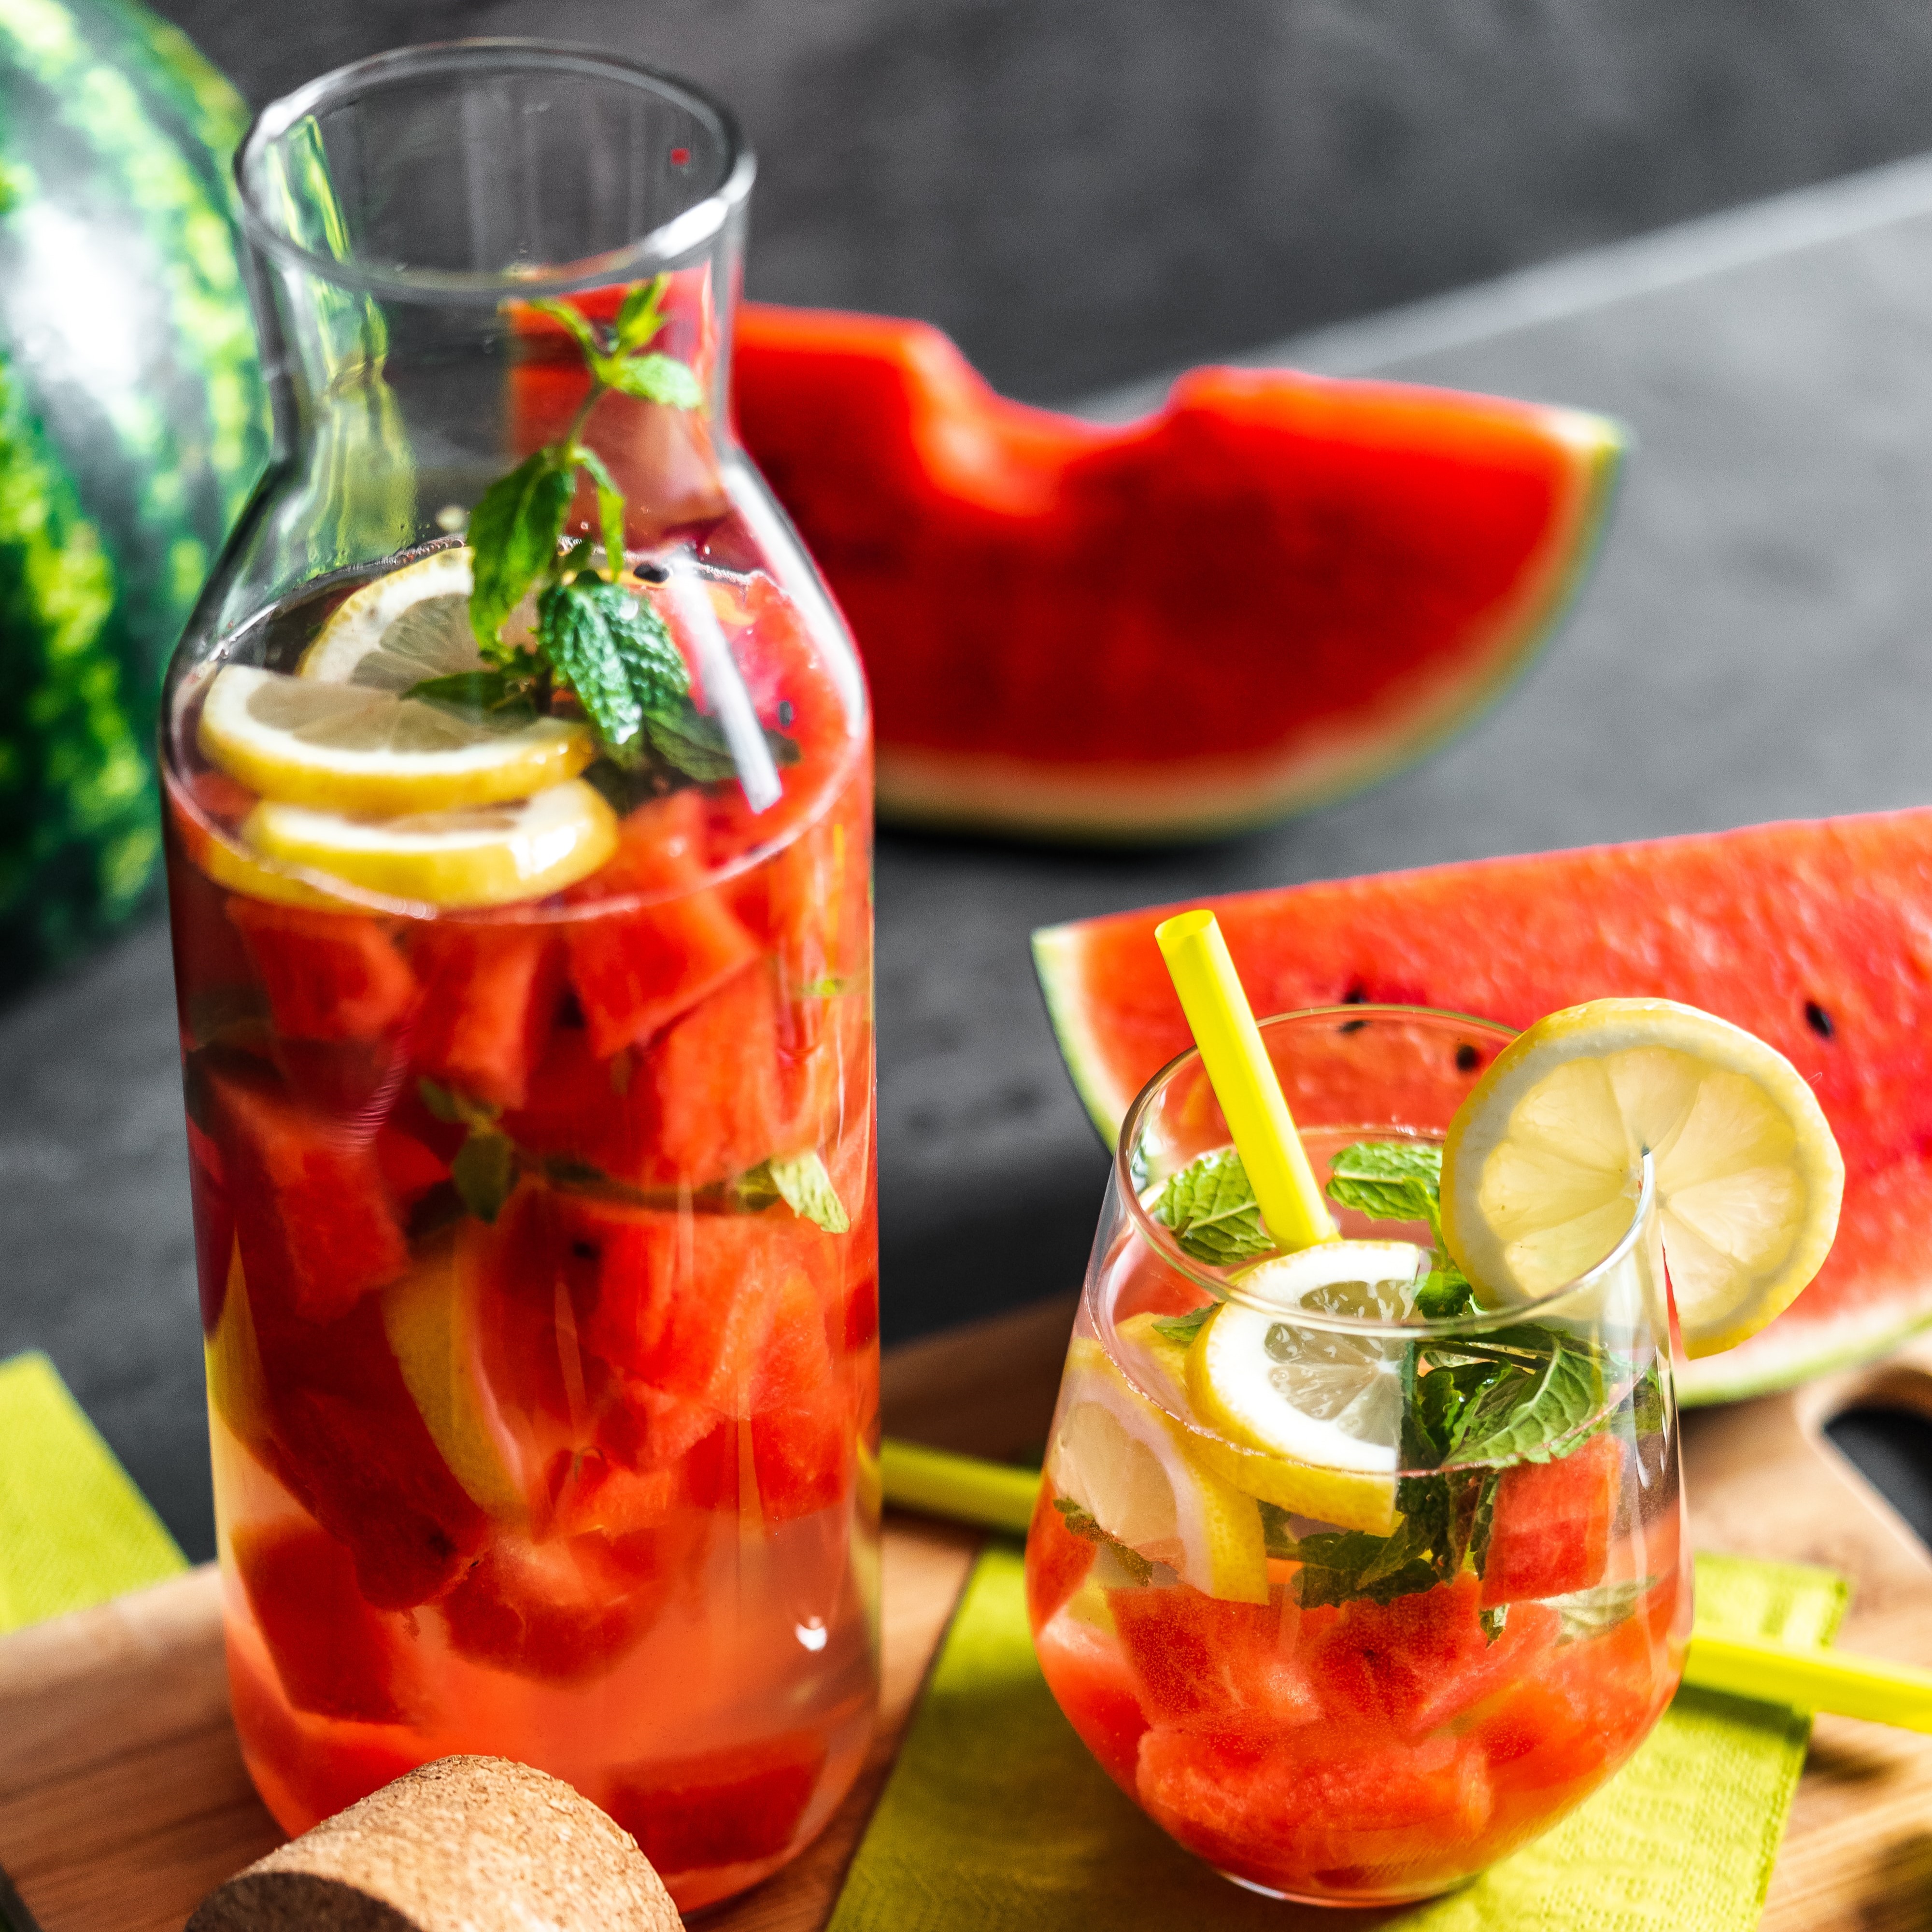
(1244, 1079)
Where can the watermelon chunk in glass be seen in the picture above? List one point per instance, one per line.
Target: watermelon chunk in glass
(1550, 1532)
(307, 1771)
(1420, 1661)
(1324, 1800)
(1093, 1685)
(331, 1652)
(635, 970)
(721, 1807)
(354, 1448)
(1207, 1664)
(564, 1611)
(329, 976)
(712, 1079)
(489, 995)
(802, 1422)
(311, 1211)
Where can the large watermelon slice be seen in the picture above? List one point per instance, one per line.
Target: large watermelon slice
(1816, 936)
(132, 425)
(1277, 589)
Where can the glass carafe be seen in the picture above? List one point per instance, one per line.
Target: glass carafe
(534, 1221)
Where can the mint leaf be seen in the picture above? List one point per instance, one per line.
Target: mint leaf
(513, 539)
(610, 510)
(1492, 1620)
(654, 379)
(806, 1189)
(572, 320)
(1210, 1205)
(1524, 1413)
(498, 697)
(614, 652)
(1588, 1613)
(1080, 1524)
(484, 1171)
(1445, 1294)
(639, 317)
(1390, 1180)
(689, 742)
(1345, 1564)
(1184, 1328)
(455, 1109)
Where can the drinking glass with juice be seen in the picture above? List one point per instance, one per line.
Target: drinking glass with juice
(519, 823)
(1354, 1576)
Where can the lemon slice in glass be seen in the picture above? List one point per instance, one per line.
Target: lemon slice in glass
(1329, 1400)
(1131, 1468)
(409, 625)
(347, 748)
(480, 855)
(1337, 1496)
(1540, 1167)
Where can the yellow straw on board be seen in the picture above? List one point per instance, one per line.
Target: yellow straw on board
(1244, 1080)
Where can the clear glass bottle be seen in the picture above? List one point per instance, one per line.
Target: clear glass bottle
(535, 1229)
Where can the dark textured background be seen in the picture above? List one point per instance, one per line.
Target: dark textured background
(1085, 190)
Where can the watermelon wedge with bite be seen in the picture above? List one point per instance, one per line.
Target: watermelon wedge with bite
(1277, 589)
(1815, 935)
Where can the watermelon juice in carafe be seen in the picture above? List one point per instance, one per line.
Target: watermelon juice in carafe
(1361, 1674)
(519, 831)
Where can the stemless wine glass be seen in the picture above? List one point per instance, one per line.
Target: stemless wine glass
(1358, 1680)
(535, 1227)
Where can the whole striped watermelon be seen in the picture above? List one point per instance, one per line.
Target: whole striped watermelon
(132, 425)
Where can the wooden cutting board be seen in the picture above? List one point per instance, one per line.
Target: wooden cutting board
(123, 1799)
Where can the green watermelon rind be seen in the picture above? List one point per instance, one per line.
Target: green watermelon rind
(1020, 798)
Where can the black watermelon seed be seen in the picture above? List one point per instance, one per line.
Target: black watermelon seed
(1818, 1020)
(653, 573)
(1351, 1026)
(1356, 995)
(1466, 1057)
(584, 1250)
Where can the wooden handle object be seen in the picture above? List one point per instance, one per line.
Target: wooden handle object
(466, 1844)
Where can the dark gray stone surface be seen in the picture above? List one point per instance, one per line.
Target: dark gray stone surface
(1754, 647)
(1087, 190)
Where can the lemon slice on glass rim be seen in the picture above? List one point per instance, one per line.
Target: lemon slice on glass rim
(1539, 1167)
(1133, 1469)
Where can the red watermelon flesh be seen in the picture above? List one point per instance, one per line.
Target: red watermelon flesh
(1368, 561)
(312, 1214)
(333, 1653)
(1816, 936)
(1210, 1665)
(1322, 1803)
(722, 1808)
(564, 1611)
(329, 976)
(635, 971)
(489, 996)
(1549, 1530)
(1092, 1685)
(347, 1437)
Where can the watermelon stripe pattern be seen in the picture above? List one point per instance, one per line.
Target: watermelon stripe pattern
(132, 427)
(1816, 937)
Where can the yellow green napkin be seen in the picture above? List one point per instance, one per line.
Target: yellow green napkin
(74, 1530)
(995, 1818)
